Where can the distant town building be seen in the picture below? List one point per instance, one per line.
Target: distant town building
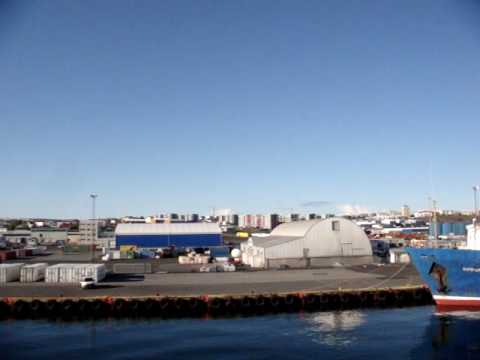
(423, 214)
(225, 219)
(192, 218)
(284, 219)
(150, 220)
(18, 236)
(246, 221)
(234, 219)
(49, 235)
(133, 220)
(259, 221)
(272, 221)
(73, 237)
(405, 211)
(86, 228)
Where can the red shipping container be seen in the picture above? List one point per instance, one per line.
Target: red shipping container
(20, 253)
(7, 255)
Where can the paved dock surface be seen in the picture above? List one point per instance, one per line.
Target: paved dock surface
(235, 283)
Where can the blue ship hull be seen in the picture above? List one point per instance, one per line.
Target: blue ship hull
(452, 275)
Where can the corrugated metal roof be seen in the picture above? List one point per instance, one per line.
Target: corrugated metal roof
(274, 240)
(318, 237)
(296, 228)
(167, 229)
(258, 241)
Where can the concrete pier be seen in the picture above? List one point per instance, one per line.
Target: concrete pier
(236, 283)
(219, 294)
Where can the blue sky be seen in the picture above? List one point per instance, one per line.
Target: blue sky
(175, 106)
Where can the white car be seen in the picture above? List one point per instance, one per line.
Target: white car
(88, 283)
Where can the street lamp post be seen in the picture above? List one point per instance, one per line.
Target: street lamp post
(94, 240)
(433, 221)
(476, 188)
(475, 215)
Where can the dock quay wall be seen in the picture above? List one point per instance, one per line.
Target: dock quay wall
(305, 263)
(210, 306)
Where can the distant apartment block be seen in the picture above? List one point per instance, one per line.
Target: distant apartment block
(259, 221)
(86, 228)
(405, 211)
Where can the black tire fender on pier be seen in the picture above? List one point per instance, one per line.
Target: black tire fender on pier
(100, 309)
(120, 307)
(38, 309)
(52, 308)
(261, 304)
(4, 310)
(198, 307)
(217, 306)
(152, 308)
(136, 307)
(68, 309)
(84, 309)
(21, 309)
(276, 303)
(311, 301)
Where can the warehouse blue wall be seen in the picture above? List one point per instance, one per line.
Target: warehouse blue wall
(456, 228)
(178, 240)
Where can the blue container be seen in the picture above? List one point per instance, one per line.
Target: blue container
(432, 232)
(221, 251)
(447, 228)
(460, 228)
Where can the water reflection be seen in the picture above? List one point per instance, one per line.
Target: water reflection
(335, 328)
(452, 335)
(418, 333)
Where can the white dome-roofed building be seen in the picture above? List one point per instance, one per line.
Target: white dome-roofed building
(309, 243)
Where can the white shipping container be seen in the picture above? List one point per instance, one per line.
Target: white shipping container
(200, 259)
(74, 273)
(32, 273)
(399, 257)
(10, 272)
(184, 260)
(228, 267)
(207, 268)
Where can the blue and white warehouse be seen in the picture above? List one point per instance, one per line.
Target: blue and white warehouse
(164, 235)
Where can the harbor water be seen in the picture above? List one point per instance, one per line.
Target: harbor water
(420, 333)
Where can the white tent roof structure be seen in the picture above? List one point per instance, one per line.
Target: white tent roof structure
(330, 237)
